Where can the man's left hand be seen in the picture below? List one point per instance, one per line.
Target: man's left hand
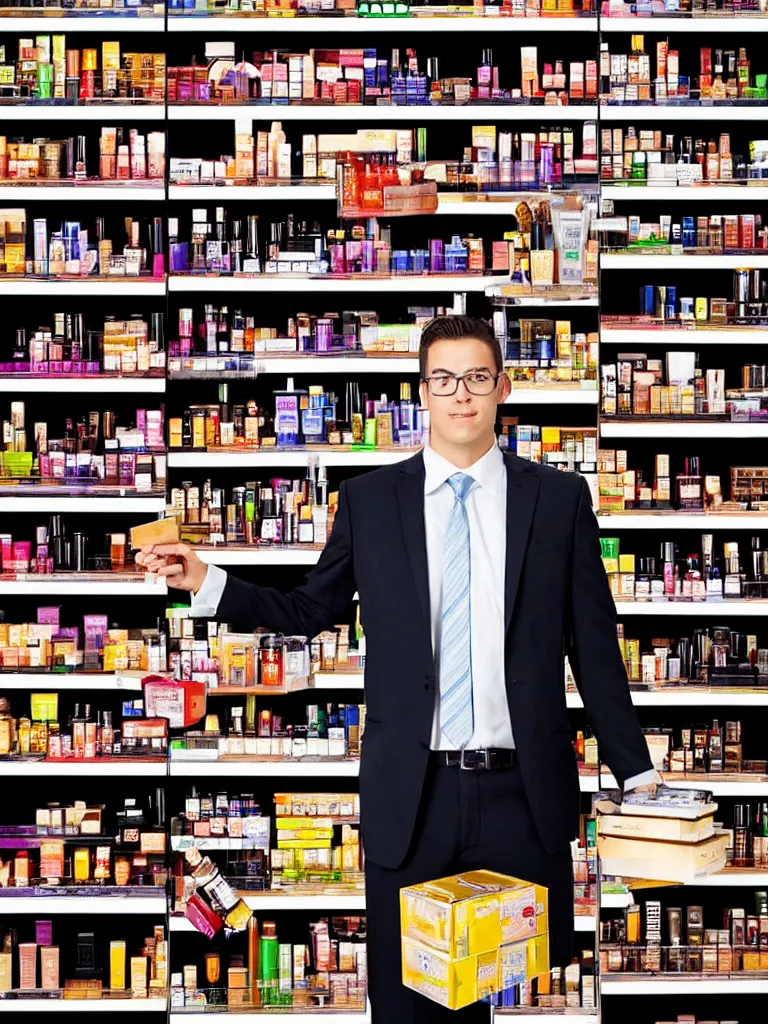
(649, 787)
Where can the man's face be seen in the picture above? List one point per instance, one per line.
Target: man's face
(462, 418)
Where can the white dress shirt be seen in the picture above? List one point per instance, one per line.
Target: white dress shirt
(486, 505)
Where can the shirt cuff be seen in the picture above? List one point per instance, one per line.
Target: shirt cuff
(643, 779)
(205, 603)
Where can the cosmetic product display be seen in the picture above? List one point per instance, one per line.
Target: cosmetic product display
(649, 938)
(84, 9)
(132, 157)
(383, 8)
(549, 245)
(285, 512)
(700, 750)
(707, 657)
(124, 348)
(48, 645)
(80, 966)
(700, 576)
(332, 731)
(667, 306)
(542, 351)
(724, 76)
(373, 76)
(657, 157)
(560, 988)
(623, 489)
(314, 846)
(676, 386)
(94, 454)
(59, 549)
(209, 652)
(689, 10)
(85, 737)
(76, 251)
(741, 233)
(303, 417)
(328, 972)
(45, 71)
(374, 159)
(69, 851)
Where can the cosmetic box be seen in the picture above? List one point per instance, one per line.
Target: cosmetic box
(679, 830)
(455, 983)
(473, 912)
(682, 862)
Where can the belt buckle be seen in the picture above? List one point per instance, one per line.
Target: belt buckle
(485, 764)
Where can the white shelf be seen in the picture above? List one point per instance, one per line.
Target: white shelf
(660, 261)
(184, 1017)
(554, 395)
(119, 286)
(479, 113)
(589, 784)
(735, 606)
(126, 193)
(83, 1005)
(84, 905)
(26, 502)
(681, 336)
(648, 112)
(83, 23)
(616, 900)
(271, 283)
(695, 429)
(368, 26)
(32, 587)
(734, 878)
(79, 385)
(83, 769)
(63, 681)
(266, 769)
(268, 193)
(678, 986)
(682, 521)
(317, 363)
(274, 457)
(260, 556)
(667, 24)
(709, 193)
(568, 1016)
(338, 681)
(106, 113)
(671, 698)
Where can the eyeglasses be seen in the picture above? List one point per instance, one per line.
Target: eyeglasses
(477, 382)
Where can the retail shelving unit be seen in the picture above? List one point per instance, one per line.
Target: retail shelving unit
(184, 289)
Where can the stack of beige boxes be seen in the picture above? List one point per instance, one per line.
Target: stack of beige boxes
(672, 838)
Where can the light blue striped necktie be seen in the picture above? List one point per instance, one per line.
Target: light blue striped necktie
(456, 712)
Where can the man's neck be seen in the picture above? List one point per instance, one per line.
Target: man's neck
(462, 456)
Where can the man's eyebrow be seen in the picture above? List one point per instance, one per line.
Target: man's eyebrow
(472, 369)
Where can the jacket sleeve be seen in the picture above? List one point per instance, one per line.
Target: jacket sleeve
(309, 609)
(594, 654)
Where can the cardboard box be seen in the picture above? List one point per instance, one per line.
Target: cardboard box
(474, 912)
(457, 983)
(677, 830)
(662, 860)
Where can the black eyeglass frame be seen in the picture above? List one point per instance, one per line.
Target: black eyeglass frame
(458, 378)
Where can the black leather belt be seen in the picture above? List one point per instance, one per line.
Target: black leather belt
(477, 760)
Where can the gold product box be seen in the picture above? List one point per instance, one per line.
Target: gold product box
(457, 983)
(675, 830)
(474, 912)
(663, 860)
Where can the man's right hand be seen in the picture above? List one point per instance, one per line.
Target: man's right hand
(176, 563)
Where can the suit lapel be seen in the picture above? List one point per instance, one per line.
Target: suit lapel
(410, 493)
(522, 494)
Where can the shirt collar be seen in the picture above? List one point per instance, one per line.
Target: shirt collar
(488, 471)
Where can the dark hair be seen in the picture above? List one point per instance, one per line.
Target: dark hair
(458, 327)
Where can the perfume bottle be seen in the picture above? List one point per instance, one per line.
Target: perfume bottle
(217, 889)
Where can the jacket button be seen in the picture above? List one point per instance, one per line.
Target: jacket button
(426, 682)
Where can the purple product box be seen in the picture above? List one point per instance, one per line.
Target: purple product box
(49, 616)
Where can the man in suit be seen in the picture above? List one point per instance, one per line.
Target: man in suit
(476, 572)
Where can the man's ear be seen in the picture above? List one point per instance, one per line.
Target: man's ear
(504, 387)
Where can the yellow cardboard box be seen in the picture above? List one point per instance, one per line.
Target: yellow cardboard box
(457, 983)
(474, 912)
